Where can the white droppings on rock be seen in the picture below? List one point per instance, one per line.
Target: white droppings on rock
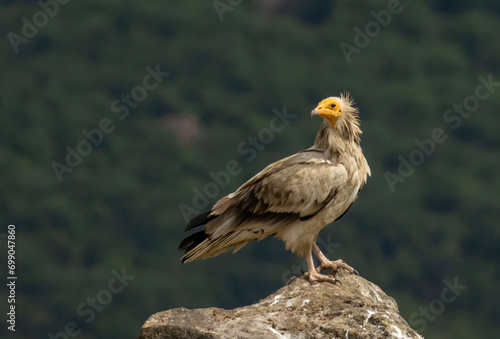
(270, 315)
(260, 303)
(276, 332)
(316, 312)
(290, 302)
(368, 317)
(398, 333)
(305, 302)
(276, 299)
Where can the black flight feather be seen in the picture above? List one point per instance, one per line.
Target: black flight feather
(199, 220)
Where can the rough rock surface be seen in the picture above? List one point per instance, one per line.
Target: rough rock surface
(356, 308)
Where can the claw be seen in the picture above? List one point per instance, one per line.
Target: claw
(314, 273)
(316, 277)
(334, 267)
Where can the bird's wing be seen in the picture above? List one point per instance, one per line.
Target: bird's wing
(292, 189)
(297, 187)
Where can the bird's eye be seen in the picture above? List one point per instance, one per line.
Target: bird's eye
(333, 105)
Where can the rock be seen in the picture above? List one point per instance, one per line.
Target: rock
(356, 308)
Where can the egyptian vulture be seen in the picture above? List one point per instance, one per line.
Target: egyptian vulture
(293, 198)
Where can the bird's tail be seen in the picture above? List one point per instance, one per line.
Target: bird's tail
(201, 245)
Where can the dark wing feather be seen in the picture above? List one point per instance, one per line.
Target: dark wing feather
(199, 220)
(300, 185)
(192, 241)
(297, 187)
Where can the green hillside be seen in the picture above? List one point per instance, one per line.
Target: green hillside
(119, 120)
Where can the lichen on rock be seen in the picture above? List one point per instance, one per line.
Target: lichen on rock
(354, 309)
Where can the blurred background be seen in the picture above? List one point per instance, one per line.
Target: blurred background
(116, 116)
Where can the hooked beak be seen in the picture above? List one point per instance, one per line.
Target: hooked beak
(314, 113)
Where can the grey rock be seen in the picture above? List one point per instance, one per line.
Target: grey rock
(354, 309)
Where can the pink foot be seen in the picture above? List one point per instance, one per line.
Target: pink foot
(315, 276)
(334, 267)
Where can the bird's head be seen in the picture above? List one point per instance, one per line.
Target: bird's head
(329, 109)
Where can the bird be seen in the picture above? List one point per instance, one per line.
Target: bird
(293, 198)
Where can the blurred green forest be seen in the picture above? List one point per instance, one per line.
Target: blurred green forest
(230, 67)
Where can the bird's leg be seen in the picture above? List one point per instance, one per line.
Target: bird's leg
(332, 265)
(314, 275)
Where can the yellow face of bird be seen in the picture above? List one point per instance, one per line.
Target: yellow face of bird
(329, 109)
